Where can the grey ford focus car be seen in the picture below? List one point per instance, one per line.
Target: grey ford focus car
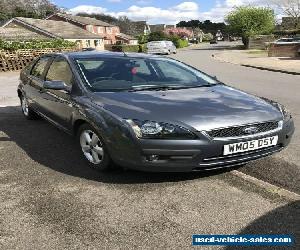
(151, 113)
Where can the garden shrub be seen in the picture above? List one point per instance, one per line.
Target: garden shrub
(126, 48)
(180, 43)
(35, 44)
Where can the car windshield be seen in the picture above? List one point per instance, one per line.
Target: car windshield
(134, 74)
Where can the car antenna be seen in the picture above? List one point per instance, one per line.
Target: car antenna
(124, 53)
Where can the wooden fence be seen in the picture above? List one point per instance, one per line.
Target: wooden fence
(260, 42)
(284, 50)
(17, 60)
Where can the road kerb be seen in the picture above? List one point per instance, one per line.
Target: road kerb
(215, 56)
(267, 186)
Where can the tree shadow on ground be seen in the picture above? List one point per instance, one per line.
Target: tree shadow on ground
(283, 220)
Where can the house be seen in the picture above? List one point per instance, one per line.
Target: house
(181, 31)
(160, 27)
(93, 25)
(126, 39)
(49, 29)
(20, 34)
(136, 28)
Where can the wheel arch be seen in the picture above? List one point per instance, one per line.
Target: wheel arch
(77, 124)
(20, 93)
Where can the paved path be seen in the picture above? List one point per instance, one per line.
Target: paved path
(8, 88)
(259, 59)
(282, 169)
(49, 199)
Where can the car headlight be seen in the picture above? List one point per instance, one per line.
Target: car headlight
(285, 113)
(159, 130)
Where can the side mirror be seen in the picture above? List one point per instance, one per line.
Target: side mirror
(215, 78)
(56, 85)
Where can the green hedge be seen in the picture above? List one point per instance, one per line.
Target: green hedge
(181, 43)
(129, 48)
(35, 44)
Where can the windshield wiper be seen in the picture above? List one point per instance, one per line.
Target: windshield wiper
(168, 87)
(155, 87)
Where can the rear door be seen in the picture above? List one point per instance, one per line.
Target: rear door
(58, 103)
(35, 82)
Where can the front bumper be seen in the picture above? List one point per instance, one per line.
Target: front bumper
(193, 155)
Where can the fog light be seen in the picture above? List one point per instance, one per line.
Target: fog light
(152, 157)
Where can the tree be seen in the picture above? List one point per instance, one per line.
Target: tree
(25, 8)
(157, 36)
(180, 32)
(207, 26)
(102, 17)
(290, 8)
(248, 21)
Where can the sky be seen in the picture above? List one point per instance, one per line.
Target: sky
(158, 11)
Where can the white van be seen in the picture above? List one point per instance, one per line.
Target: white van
(161, 47)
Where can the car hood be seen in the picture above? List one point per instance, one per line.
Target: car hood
(201, 108)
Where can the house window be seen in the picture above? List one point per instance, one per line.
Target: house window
(100, 30)
(90, 28)
(97, 43)
(88, 43)
(109, 30)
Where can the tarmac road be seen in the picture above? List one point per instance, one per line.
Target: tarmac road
(49, 199)
(282, 169)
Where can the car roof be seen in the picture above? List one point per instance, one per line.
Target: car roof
(158, 41)
(108, 54)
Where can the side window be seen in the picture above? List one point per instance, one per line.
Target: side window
(143, 68)
(39, 67)
(60, 70)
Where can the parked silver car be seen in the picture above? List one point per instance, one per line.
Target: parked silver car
(161, 47)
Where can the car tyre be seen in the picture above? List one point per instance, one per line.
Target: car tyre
(26, 110)
(93, 148)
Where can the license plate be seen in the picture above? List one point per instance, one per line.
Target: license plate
(241, 147)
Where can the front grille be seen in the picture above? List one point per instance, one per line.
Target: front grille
(232, 160)
(240, 131)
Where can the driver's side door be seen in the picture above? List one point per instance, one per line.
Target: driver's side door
(58, 103)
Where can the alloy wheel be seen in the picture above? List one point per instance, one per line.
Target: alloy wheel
(24, 104)
(91, 146)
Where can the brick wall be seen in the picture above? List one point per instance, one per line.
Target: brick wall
(109, 32)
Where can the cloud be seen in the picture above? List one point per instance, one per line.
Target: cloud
(89, 9)
(186, 6)
(184, 11)
(159, 15)
(174, 14)
(143, 2)
(114, 1)
(221, 9)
